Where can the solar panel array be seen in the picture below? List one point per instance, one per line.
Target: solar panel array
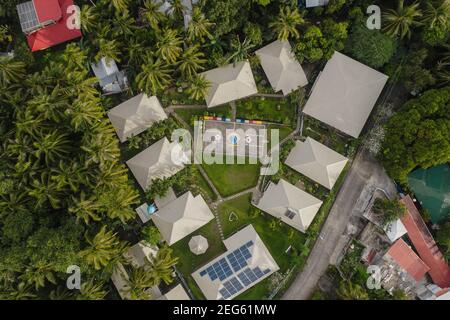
(235, 261)
(27, 16)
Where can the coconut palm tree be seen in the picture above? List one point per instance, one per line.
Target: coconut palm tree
(60, 293)
(52, 146)
(151, 12)
(11, 71)
(85, 209)
(191, 62)
(68, 175)
(399, 22)
(119, 5)
(84, 112)
(111, 175)
(154, 77)
(437, 14)
(102, 248)
(21, 292)
(37, 275)
(44, 190)
(349, 291)
(178, 8)
(160, 267)
(89, 18)
(198, 88)
(108, 49)
(138, 283)
(287, 23)
(100, 148)
(124, 25)
(169, 45)
(199, 26)
(92, 291)
(135, 53)
(240, 50)
(117, 202)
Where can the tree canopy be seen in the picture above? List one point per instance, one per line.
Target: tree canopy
(418, 135)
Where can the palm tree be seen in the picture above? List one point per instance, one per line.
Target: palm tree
(152, 14)
(52, 146)
(437, 14)
(60, 293)
(108, 49)
(44, 190)
(69, 175)
(191, 62)
(399, 22)
(111, 175)
(349, 291)
(160, 267)
(92, 291)
(138, 283)
(240, 50)
(85, 209)
(117, 202)
(49, 106)
(22, 292)
(198, 88)
(178, 9)
(169, 45)
(103, 248)
(287, 23)
(89, 18)
(155, 76)
(135, 53)
(84, 112)
(11, 71)
(199, 25)
(100, 148)
(124, 24)
(39, 274)
(118, 5)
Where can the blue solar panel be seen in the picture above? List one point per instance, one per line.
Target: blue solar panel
(220, 269)
(202, 273)
(235, 282)
(225, 294)
(258, 272)
(244, 279)
(266, 271)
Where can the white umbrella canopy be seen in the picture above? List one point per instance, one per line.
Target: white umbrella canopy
(198, 245)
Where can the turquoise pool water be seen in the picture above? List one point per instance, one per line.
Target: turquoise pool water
(432, 188)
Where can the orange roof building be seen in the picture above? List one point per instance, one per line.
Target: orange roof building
(425, 245)
(407, 259)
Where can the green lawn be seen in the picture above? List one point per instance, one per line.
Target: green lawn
(267, 109)
(230, 179)
(277, 241)
(188, 114)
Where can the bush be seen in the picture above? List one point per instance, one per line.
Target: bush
(371, 47)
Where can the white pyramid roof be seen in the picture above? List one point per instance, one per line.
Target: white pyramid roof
(229, 83)
(135, 115)
(317, 162)
(344, 94)
(177, 293)
(182, 217)
(161, 160)
(293, 206)
(281, 67)
(198, 244)
(395, 230)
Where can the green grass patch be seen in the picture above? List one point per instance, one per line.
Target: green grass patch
(230, 179)
(267, 109)
(194, 113)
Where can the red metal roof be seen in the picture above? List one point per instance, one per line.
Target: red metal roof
(56, 33)
(425, 245)
(406, 258)
(47, 10)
